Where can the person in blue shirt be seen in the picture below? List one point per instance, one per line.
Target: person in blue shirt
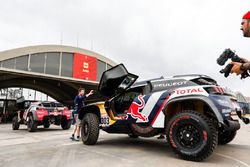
(78, 104)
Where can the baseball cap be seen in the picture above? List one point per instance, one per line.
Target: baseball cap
(246, 16)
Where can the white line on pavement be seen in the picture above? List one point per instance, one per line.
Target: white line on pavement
(232, 158)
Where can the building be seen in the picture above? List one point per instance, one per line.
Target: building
(55, 70)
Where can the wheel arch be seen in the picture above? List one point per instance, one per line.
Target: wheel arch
(178, 104)
(90, 109)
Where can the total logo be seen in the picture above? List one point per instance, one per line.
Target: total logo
(189, 91)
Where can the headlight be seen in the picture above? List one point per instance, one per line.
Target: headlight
(223, 102)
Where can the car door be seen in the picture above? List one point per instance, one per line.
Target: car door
(115, 81)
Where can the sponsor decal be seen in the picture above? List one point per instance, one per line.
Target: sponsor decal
(188, 91)
(136, 108)
(105, 120)
(167, 84)
(85, 67)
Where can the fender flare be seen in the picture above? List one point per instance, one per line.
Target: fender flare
(205, 100)
(89, 109)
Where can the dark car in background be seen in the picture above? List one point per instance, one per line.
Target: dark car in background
(43, 113)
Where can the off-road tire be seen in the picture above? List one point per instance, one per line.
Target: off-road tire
(31, 124)
(66, 124)
(15, 123)
(191, 135)
(226, 136)
(46, 125)
(90, 129)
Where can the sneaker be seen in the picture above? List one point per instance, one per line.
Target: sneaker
(161, 137)
(72, 138)
(78, 138)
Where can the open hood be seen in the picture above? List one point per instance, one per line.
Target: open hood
(115, 81)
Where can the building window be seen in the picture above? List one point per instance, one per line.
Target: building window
(67, 65)
(101, 67)
(22, 63)
(52, 63)
(37, 62)
(10, 63)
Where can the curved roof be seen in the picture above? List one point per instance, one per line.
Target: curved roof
(8, 54)
(60, 87)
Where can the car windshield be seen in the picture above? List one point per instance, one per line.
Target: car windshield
(59, 105)
(46, 104)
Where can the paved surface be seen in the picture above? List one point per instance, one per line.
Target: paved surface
(53, 148)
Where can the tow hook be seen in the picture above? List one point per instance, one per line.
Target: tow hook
(244, 119)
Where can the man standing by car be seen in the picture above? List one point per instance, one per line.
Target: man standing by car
(79, 103)
(239, 68)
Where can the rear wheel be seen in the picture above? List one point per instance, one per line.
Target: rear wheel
(31, 124)
(192, 136)
(15, 123)
(143, 129)
(46, 125)
(226, 136)
(66, 124)
(90, 129)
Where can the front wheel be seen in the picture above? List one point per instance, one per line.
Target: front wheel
(90, 129)
(31, 124)
(192, 136)
(66, 124)
(15, 123)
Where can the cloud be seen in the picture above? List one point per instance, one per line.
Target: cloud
(152, 38)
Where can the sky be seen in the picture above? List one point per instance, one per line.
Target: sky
(152, 38)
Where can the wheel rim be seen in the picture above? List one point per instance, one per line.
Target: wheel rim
(189, 136)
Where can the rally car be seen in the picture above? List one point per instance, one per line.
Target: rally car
(43, 113)
(193, 111)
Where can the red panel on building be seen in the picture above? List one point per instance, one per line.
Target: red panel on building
(85, 67)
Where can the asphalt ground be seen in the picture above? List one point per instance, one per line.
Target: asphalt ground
(53, 148)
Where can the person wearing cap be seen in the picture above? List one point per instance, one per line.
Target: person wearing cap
(239, 68)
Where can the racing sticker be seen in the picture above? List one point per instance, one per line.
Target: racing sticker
(136, 108)
(194, 90)
(104, 120)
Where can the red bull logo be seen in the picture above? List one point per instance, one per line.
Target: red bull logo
(134, 110)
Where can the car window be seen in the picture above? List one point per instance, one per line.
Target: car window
(46, 104)
(59, 104)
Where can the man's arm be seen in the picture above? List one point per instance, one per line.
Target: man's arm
(245, 66)
(245, 60)
(90, 93)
